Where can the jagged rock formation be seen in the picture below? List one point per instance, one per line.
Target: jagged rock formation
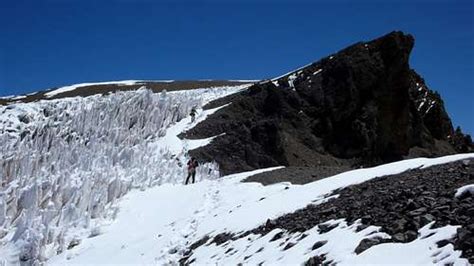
(360, 106)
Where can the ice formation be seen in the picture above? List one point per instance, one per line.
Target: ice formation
(64, 163)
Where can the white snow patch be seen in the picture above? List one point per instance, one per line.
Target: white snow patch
(196, 143)
(421, 251)
(7, 97)
(291, 80)
(421, 104)
(18, 97)
(317, 71)
(431, 106)
(174, 144)
(465, 189)
(339, 245)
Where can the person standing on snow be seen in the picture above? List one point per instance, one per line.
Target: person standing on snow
(193, 114)
(192, 165)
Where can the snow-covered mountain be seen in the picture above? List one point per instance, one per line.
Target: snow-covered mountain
(93, 173)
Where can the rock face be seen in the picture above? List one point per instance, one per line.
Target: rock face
(360, 106)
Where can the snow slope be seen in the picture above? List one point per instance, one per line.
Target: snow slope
(156, 225)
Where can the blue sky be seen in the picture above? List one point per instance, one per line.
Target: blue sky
(46, 44)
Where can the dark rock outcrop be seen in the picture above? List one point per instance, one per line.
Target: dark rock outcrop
(360, 106)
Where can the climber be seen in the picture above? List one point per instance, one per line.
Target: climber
(193, 114)
(192, 165)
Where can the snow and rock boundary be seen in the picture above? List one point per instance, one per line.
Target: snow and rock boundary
(416, 209)
(107, 87)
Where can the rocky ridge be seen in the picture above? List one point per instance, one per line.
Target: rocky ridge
(361, 106)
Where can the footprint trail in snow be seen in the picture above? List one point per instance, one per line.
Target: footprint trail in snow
(185, 231)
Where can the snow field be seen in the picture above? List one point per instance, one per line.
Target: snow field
(181, 215)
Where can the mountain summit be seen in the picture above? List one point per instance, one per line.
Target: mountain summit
(362, 106)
